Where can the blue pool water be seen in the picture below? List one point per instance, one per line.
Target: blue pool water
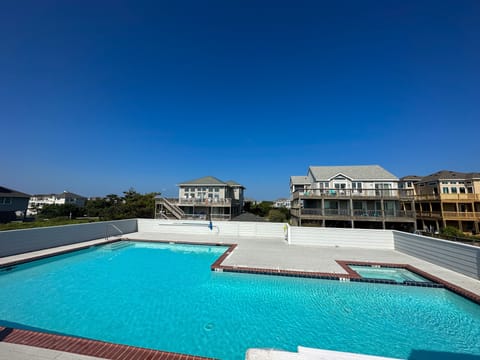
(165, 297)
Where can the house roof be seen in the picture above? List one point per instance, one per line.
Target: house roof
(299, 180)
(69, 194)
(234, 183)
(64, 194)
(450, 175)
(411, 178)
(210, 180)
(206, 180)
(357, 172)
(246, 216)
(6, 192)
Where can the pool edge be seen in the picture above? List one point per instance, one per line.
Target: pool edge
(88, 347)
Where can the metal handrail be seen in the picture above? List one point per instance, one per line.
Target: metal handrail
(115, 227)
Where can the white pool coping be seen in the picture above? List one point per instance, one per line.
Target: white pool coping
(305, 353)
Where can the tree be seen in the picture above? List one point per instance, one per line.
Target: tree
(260, 209)
(136, 205)
(60, 210)
(276, 215)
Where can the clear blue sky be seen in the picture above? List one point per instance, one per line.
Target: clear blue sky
(100, 96)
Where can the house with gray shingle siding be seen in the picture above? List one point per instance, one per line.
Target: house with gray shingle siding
(12, 201)
(365, 196)
(205, 198)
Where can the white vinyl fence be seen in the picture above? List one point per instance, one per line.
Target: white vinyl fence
(222, 228)
(359, 238)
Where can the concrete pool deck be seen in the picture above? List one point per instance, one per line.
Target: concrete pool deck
(255, 253)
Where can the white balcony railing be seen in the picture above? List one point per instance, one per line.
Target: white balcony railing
(205, 202)
(353, 213)
(353, 193)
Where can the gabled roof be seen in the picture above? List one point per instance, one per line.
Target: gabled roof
(358, 172)
(64, 194)
(411, 178)
(69, 194)
(248, 217)
(206, 180)
(299, 180)
(6, 192)
(210, 180)
(233, 183)
(450, 175)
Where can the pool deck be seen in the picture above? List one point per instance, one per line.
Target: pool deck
(272, 255)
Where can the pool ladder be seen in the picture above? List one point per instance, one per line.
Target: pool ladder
(115, 227)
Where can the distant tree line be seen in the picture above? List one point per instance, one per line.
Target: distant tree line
(112, 207)
(135, 205)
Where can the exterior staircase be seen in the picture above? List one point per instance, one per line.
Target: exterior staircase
(167, 209)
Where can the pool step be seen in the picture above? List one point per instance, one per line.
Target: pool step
(117, 245)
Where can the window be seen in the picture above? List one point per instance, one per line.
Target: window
(382, 189)
(5, 201)
(357, 187)
(462, 190)
(454, 190)
(445, 190)
(409, 184)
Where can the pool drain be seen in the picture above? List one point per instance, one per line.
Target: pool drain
(209, 327)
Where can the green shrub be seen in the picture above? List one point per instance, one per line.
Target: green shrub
(451, 231)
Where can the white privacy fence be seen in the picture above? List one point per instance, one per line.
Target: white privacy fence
(359, 238)
(222, 228)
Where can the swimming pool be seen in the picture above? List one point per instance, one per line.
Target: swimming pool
(165, 297)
